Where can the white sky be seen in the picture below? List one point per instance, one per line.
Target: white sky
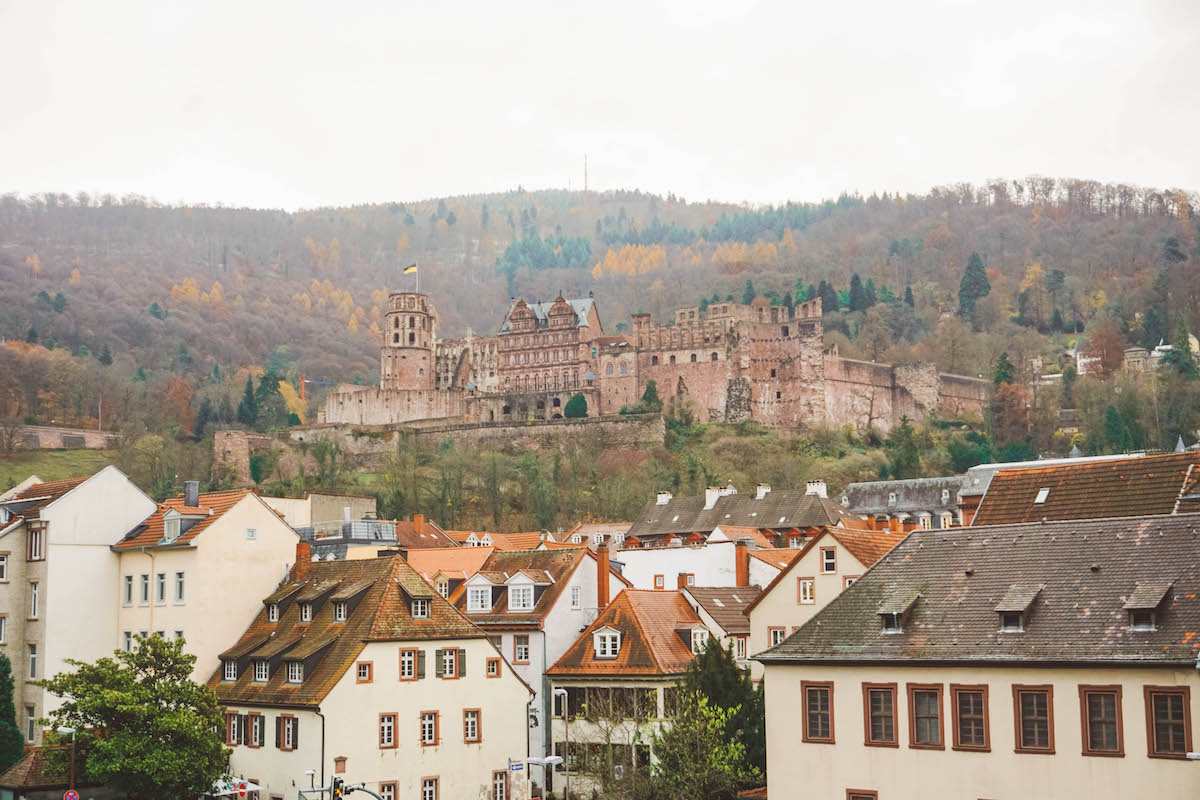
(296, 104)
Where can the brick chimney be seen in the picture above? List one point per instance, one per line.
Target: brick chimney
(419, 523)
(894, 525)
(602, 576)
(303, 560)
(741, 562)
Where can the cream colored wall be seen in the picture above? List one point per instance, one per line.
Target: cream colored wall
(352, 712)
(906, 774)
(781, 609)
(296, 510)
(21, 630)
(226, 578)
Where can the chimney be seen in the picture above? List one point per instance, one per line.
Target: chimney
(762, 491)
(345, 513)
(601, 576)
(871, 522)
(713, 492)
(681, 580)
(663, 498)
(303, 560)
(816, 487)
(419, 523)
(741, 562)
(894, 525)
(191, 493)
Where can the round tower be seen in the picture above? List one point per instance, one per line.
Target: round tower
(406, 359)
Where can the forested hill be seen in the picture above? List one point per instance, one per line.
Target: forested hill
(158, 291)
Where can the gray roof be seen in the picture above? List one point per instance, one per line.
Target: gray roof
(581, 306)
(725, 604)
(778, 510)
(1085, 573)
(912, 496)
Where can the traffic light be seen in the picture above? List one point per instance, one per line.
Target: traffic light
(336, 790)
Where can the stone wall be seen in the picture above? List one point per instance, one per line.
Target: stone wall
(45, 437)
(865, 394)
(371, 406)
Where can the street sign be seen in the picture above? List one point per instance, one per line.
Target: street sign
(515, 766)
(70, 794)
(241, 790)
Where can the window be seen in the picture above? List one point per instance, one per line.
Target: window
(493, 668)
(1142, 619)
(693, 358)
(1033, 710)
(365, 672)
(237, 729)
(828, 559)
(450, 663)
(230, 670)
(295, 673)
(608, 645)
(817, 711)
(179, 587)
(1042, 494)
(1168, 721)
(1011, 622)
(795, 542)
(339, 611)
(34, 605)
(471, 725)
(273, 612)
(479, 598)
(659, 582)
(520, 598)
(576, 597)
(128, 592)
(925, 522)
(306, 612)
(178, 634)
(387, 730)
(30, 723)
(879, 710)
(776, 635)
(420, 608)
(848, 581)
(144, 597)
(521, 649)
(429, 728)
(806, 591)
(699, 639)
(33, 673)
(256, 732)
(739, 647)
(4, 573)
(500, 785)
(251, 534)
(160, 588)
(262, 670)
(891, 623)
(387, 791)
(3, 630)
(925, 716)
(861, 794)
(443, 588)
(288, 732)
(1100, 707)
(429, 789)
(35, 544)
(970, 714)
(127, 641)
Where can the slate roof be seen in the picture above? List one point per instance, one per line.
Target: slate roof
(1124, 487)
(726, 605)
(212, 505)
(779, 509)
(380, 613)
(1088, 570)
(735, 532)
(912, 496)
(651, 645)
(581, 306)
(29, 502)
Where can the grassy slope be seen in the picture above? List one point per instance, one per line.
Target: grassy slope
(52, 465)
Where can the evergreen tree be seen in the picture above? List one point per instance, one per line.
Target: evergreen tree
(905, 459)
(973, 286)
(714, 673)
(32, 336)
(140, 375)
(576, 407)
(789, 304)
(703, 304)
(205, 415)
(858, 297)
(869, 292)
(1116, 435)
(908, 297)
(59, 304)
(1056, 320)
(247, 410)
(216, 373)
(225, 412)
(799, 293)
(105, 356)
(1004, 370)
(650, 401)
(1180, 356)
(748, 294)
(12, 743)
(829, 298)
(1154, 329)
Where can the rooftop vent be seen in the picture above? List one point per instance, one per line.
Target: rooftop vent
(663, 498)
(816, 487)
(761, 491)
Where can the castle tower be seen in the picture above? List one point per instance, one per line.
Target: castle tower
(406, 358)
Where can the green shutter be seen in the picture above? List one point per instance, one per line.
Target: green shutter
(437, 663)
(420, 664)
(295, 733)
(278, 733)
(462, 663)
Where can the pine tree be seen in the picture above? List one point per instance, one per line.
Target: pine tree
(1180, 356)
(105, 356)
(905, 460)
(858, 298)
(829, 298)
(799, 293)
(908, 297)
(247, 410)
(748, 294)
(12, 744)
(1004, 372)
(869, 292)
(1116, 434)
(973, 286)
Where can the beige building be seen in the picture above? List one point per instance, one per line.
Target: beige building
(832, 560)
(317, 509)
(360, 669)
(1040, 660)
(54, 562)
(198, 568)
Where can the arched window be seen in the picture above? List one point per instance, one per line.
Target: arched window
(714, 356)
(624, 368)
(672, 359)
(608, 370)
(395, 338)
(693, 358)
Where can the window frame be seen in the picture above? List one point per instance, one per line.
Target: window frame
(272, 612)
(394, 718)
(602, 650)
(771, 632)
(828, 551)
(1085, 690)
(423, 603)
(500, 773)
(297, 668)
(1046, 689)
(35, 599)
(521, 590)
(911, 690)
(576, 597)
(4, 566)
(1148, 693)
(805, 686)
(266, 664)
(389, 789)
(862, 794)
(160, 588)
(811, 582)
(358, 672)
(478, 738)
(180, 587)
(739, 647)
(31, 654)
(413, 651)
(450, 654)
(36, 543)
(488, 667)
(957, 689)
(228, 666)
(256, 730)
(288, 726)
(848, 581)
(306, 613)
(421, 728)
(660, 581)
(474, 591)
(341, 610)
(436, 786)
(127, 596)
(867, 688)
(528, 648)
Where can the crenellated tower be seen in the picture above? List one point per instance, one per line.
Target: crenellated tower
(406, 358)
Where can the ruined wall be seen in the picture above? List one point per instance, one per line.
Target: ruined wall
(46, 437)
(865, 394)
(963, 396)
(783, 364)
(371, 406)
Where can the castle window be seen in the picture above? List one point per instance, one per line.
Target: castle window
(395, 338)
(624, 369)
(654, 359)
(412, 338)
(784, 330)
(672, 359)
(693, 358)
(714, 356)
(395, 322)
(608, 370)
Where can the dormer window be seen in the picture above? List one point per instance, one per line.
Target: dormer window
(1015, 606)
(420, 608)
(273, 612)
(171, 528)
(891, 623)
(895, 609)
(577, 539)
(1012, 622)
(479, 598)
(699, 640)
(295, 672)
(262, 670)
(891, 498)
(443, 588)
(1142, 621)
(607, 642)
(618, 538)
(520, 598)
(230, 673)
(1042, 494)
(306, 612)
(598, 538)
(1144, 603)
(339, 611)
(945, 496)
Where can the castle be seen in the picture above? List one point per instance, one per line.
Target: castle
(727, 362)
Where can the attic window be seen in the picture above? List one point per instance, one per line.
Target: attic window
(699, 640)
(339, 611)
(891, 498)
(1042, 494)
(520, 598)
(607, 643)
(1014, 606)
(1142, 621)
(945, 496)
(891, 623)
(1144, 603)
(420, 608)
(306, 612)
(1012, 622)
(443, 588)
(895, 609)
(479, 598)
(171, 528)
(273, 612)
(295, 672)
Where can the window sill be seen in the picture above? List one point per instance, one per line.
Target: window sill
(1097, 754)
(881, 744)
(915, 746)
(1034, 751)
(966, 749)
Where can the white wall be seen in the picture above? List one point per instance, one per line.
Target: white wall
(712, 564)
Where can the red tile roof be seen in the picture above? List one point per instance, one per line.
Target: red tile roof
(454, 562)
(42, 494)
(430, 535)
(212, 506)
(553, 565)
(37, 770)
(1127, 487)
(501, 541)
(777, 557)
(651, 645)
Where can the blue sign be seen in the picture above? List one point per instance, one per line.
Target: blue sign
(516, 766)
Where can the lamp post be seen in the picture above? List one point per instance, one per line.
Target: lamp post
(566, 717)
(65, 730)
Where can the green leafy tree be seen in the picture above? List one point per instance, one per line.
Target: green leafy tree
(714, 673)
(576, 407)
(696, 758)
(162, 738)
(12, 743)
(973, 286)
(748, 294)
(1004, 372)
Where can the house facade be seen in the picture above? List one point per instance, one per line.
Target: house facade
(914, 503)
(722, 610)
(360, 669)
(1051, 659)
(54, 561)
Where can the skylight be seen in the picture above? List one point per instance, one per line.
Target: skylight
(1042, 494)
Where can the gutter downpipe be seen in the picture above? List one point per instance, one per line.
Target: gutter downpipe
(322, 716)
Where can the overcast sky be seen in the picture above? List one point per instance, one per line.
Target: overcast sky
(294, 104)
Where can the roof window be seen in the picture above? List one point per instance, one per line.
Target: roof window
(1014, 606)
(895, 610)
(1042, 494)
(1144, 603)
(607, 642)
